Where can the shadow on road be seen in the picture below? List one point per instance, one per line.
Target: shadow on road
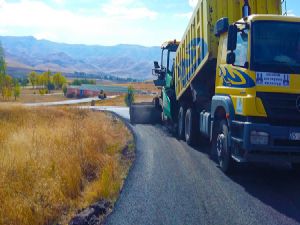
(275, 185)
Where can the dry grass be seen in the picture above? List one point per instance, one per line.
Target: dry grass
(54, 161)
(28, 96)
(145, 86)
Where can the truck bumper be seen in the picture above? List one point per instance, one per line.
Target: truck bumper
(279, 147)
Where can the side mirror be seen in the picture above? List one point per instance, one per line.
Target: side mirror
(230, 59)
(232, 37)
(221, 26)
(156, 65)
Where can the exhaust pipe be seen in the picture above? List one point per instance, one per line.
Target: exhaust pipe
(246, 9)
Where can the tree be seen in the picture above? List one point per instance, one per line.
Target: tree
(129, 97)
(47, 79)
(65, 89)
(32, 77)
(7, 87)
(2, 68)
(23, 82)
(59, 80)
(78, 82)
(16, 89)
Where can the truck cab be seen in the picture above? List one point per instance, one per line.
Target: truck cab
(258, 75)
(165, 80)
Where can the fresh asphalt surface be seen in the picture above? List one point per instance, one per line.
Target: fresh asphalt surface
(171, 183)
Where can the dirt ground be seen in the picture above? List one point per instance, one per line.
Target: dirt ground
(29, 95)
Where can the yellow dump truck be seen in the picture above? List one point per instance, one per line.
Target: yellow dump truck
(236, 82)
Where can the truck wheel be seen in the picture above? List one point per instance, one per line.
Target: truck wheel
(190, 126)
(181, 123)
(213, 150)
(222, 147)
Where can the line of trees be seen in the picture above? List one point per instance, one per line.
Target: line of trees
(8, 86)
(46, 82)
(78, 82)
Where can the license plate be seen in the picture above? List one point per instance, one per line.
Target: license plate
(295, 136)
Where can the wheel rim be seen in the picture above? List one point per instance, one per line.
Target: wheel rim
(221, 149)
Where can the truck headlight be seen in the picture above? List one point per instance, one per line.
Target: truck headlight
(259, 138)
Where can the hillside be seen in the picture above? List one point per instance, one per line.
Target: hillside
(28, 53)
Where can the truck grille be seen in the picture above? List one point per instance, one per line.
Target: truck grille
(281, 109)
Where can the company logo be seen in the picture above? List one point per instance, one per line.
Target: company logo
(190, 61)
(298, 103)
(236, 78)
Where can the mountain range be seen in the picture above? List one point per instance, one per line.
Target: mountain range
(125, 61)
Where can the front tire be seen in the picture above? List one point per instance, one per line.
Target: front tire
(181, 123)
(222, 147)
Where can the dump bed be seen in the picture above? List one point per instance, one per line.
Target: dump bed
(199, 44)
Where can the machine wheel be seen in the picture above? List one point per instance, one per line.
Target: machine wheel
(222, 147)
(156, 103)
(181, 123)
(190, 127)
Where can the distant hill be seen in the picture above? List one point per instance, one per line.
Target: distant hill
(28, 53)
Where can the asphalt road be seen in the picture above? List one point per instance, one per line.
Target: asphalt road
(171, 183)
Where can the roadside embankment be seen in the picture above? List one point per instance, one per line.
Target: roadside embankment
(54, 161)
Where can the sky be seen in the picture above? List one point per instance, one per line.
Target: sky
(101, 22)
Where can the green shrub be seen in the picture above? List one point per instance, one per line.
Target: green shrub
(129, 97)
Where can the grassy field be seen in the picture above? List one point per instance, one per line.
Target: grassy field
(145, 86)
(28, 96)
(54, 161)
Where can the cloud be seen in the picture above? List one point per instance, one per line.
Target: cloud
(125, 9)
(187, 15)
(193, 3)
(115, 22)
(290, 13)
(60, 2)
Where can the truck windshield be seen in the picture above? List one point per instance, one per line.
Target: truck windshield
(167, 60)
(276, 47)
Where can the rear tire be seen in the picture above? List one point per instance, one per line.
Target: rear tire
(181, 123)
(190, 127)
